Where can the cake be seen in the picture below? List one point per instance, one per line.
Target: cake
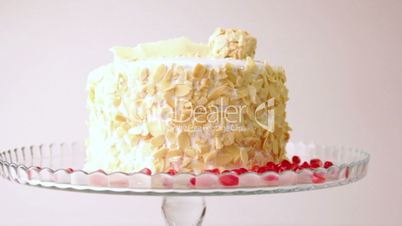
(186, 106)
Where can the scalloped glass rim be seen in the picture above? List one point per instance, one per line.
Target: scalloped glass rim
(55, 160)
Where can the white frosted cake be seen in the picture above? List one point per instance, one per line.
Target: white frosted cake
(186, 106)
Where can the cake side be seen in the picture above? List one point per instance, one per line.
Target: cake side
(185, 114)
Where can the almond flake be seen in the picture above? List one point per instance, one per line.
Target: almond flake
(199, 71)
(158, 141)
(183, 140)
(155, 128)
(160, 153)
(182, 89)
(244, 156)
(174, 153)
(217, 91)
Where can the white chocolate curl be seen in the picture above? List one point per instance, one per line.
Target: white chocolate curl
(232, 43)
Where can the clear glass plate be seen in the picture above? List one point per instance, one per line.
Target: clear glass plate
(59, 166)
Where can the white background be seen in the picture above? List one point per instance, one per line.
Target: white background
(343, 61)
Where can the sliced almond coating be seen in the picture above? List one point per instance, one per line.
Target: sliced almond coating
(252, 91)
(166, 112)
(202, 101)
(182, 89)
(155, 128)
(160, 153)
(151, 89)
(183, 140)
(186, 161)
(135, 140)
(174, 153)
(204, 83)
(199, 71)
(218, 143)
(171, 136)
(228, 138)
(210, 156)
(197, 165)
(217, 91)
(190, 152)
(159, 73)
(135, 130)
(202, 148)
(158, 141)
(224, 159)
(120, 118)
(144, 74)
(244, 156)
(275, 147)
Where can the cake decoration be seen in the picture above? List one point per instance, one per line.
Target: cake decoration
(179, 106)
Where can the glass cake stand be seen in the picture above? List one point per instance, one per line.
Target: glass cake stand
(59, 166)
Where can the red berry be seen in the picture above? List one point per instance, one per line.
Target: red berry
(240, 171)
(296, 159)
(280, 168)
(229, 180)
(285, 164)
(328, 164)
(192, 181)
(271, 166)
(172, 172)
(255, 168)
(262, 169)
(226, 171)
(305, 165)
(70, 170)
(315, 163)
(146, 171)
(214, 171)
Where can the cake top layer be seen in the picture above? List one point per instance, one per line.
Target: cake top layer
(223, 43)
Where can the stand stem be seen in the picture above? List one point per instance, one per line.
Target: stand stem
(183, 211)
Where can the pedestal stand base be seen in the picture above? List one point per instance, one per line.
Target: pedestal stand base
(183, 211)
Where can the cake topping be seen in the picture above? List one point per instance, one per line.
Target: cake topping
(232, 43)
(223, 43)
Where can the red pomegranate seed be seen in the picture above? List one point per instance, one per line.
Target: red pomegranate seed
(226, 171)
(214, 171)
(294, 167)
(229, 180)
(315, 163)
(280, 169)
(305, 165)
(262, 170)
(70, 170)
(240, 171)
(296, 159)
(172, 172)
(285, 164)
(271, 166)
(255, 168)
(146, 171)
(192, 181)
(328, 164)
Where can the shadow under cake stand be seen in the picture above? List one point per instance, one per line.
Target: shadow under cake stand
(57, 166)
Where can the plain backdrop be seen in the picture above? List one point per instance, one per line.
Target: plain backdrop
(343, 62)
